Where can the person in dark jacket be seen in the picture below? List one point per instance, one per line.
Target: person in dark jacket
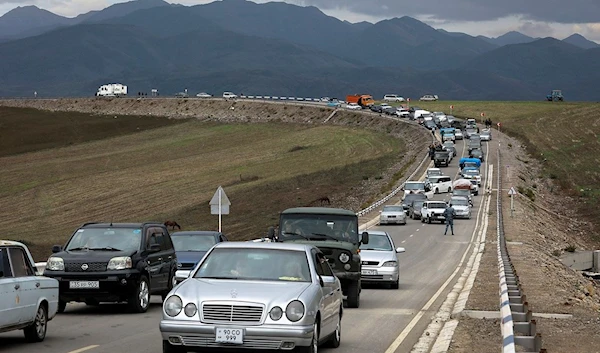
(449, 214)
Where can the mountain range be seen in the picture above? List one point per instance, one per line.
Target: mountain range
(279, 49)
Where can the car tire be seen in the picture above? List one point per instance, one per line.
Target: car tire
(139, 301)
(169, 348)
(172, 284)
(314, 346)
(62, 305)
(336, 337)
(354, 294)
(395, 285)
(449, 190)
(36, 332)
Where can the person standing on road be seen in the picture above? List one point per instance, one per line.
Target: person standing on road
(449, 214)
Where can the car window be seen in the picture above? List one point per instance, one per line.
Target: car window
(378, 242)
(5, 271)
(192, 242)
(322, 265)
(19, 263)
(98, 238)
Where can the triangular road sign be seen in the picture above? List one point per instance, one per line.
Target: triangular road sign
(224, 199)
(512, 191)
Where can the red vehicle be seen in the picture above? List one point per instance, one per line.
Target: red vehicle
(364, 100)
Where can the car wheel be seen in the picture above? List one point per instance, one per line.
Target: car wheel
(354, 294)
(428, 220)
(395, 285)
(140, 298)
(62, 305)
(336, 337)
(437, 191)
(172, 284)
(36, 332)
(449, 190)
(169, 348)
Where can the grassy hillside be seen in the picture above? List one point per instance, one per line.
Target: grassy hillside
(172, 172)
(563, 135)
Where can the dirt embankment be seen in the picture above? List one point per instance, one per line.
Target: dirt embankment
(415, 138)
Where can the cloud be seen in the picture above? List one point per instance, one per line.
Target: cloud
(574, 11)
(536, 29)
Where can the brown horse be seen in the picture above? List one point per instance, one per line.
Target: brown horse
(172, 224)
(324, 200)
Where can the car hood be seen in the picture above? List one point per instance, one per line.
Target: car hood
(266, 292)
(376, 255)
(87, 256)
(326, 244)
(460, 207)
(437, 210)
(190, 256)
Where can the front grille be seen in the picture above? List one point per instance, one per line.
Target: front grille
(232, 313)
(372, 263)
(202, 340)
(91, 266)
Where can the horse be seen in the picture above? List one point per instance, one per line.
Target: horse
(324, 200)
(172, 224)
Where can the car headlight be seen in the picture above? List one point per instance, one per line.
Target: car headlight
(294, 311)
(390, 264)
(344, 257)
(173, 305)
(55, 264)
(119, 263)
(190, 309)
(276, 313)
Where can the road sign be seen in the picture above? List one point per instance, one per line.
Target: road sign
(482, 114)
(408, 99)
(512, 191)
(219, 204)
(451, 107)
(498, 124)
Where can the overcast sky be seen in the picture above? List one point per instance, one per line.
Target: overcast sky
(537, 18)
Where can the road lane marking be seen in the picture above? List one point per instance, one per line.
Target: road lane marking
(411, 235)
(411, 325)
(418, 229)
(403, 241)
(84, 349)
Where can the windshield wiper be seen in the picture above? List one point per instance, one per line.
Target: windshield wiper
(79, 248)
(298, 234)
(218, 277)
(107, 248)
(326, 235)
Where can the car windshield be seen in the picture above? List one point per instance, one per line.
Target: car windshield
(193, 242)
(255, 264)
(471, 172)
(319, 227)
(114, 239)
(459, 202)
(418, 204)
(461, 192)
(436, 205)
(414, 186)
(393, 209)
(379, 242)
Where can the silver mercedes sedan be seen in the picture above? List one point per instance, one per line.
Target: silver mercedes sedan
(379, 259)
(272, 296)
(391, 214)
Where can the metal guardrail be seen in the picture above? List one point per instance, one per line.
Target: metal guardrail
(514, 309)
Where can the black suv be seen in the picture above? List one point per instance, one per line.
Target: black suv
(114, 262)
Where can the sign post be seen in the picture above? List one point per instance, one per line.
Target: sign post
(408, 102)
(512, 192)
(451, 109)
(498, 127)
(219, 204)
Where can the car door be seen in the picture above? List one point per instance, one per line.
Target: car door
(328, 290)
(26, 282)
(154, 259)
(169, 258)
(10, 305)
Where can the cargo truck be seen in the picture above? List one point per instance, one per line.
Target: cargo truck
(112, 90)
(364, 100)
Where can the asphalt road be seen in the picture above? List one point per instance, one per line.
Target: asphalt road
(383, 316)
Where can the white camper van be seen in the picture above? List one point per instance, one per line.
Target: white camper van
(112, 90)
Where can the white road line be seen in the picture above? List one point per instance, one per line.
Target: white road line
(84, 349)
(418, 229)
(402, 336)
(411, 235)
(403, 241)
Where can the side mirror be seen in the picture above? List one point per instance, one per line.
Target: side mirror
(56, 248)
(321, 282)
(154, 248)
(271, 233)
(365, 238)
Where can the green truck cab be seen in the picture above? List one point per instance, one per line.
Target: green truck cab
(335, 232)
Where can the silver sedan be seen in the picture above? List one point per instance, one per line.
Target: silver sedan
(379, 260)
(272, 296)
(392, 214)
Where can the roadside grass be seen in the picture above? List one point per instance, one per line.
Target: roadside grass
(564, 136)
(27, 130)
(172, 172)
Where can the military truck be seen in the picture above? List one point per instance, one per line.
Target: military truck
(335, 232)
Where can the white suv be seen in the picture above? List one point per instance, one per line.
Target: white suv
(229, 95)
(433, 211)
(440, 183)
(393, 98)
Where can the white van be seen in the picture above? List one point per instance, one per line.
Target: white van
(440, 183)
(393, 98)
(229, 95)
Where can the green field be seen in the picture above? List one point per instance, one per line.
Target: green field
(563, 135)
(169, 170)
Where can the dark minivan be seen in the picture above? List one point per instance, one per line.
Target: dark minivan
(114, 262)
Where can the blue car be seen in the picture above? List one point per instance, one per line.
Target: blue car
(190, 248)
(471, 161)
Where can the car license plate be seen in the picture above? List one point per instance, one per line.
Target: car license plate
(368, 272)
(84, 284)
(229, 335)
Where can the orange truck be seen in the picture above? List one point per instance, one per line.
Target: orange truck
(364, 100)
